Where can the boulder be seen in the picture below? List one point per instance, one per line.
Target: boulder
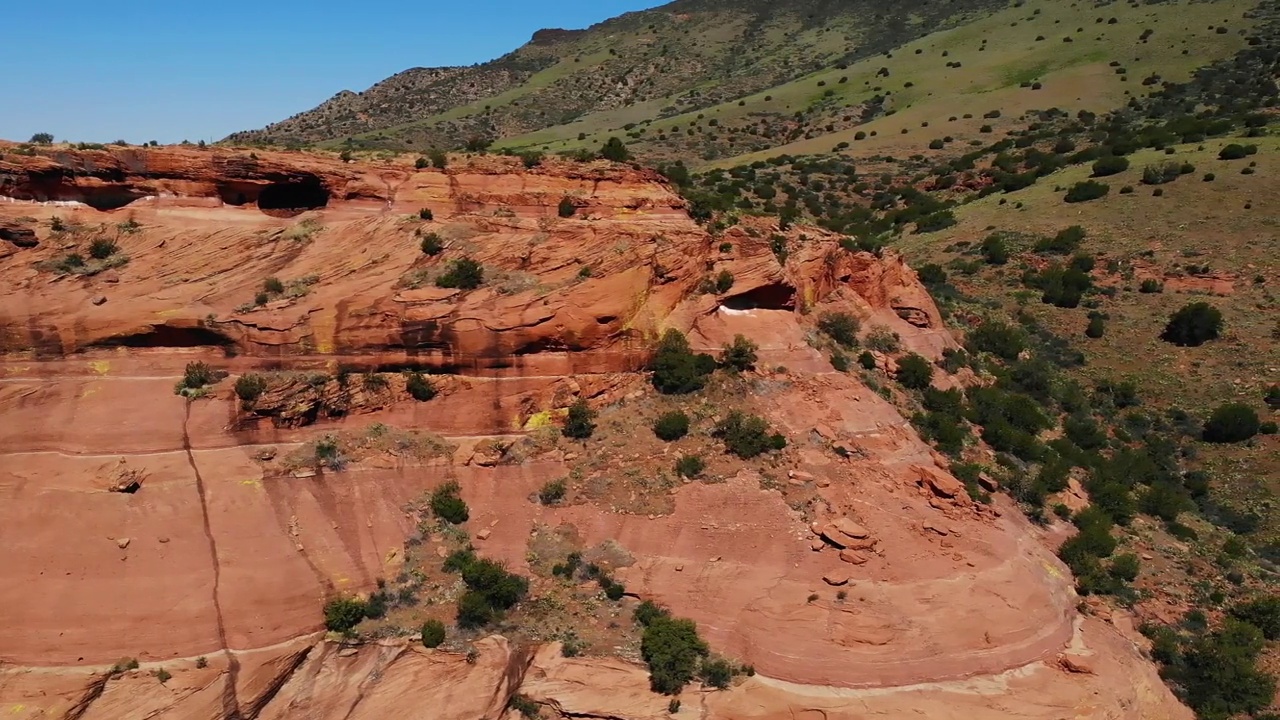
(1075, 663)
(940, 484)
(850, 528)
(836, 577)
(853, 558)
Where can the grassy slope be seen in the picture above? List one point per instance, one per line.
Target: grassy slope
(1195, 222)
(1075, 75)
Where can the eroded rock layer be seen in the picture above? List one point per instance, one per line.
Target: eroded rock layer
(140, 524)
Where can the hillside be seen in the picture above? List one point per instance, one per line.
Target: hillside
(679, 57)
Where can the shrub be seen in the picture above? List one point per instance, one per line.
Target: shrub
(567, 208)
(1230, 423)
(1234, 151)
(250, 387)
(615, 150)
(1085, 191)
(1150, 285)
(1218, 673)
(1096, 328)
(932, 274)
(552, 492)
(671, 426)
(42, 138)
(1262, 613)
(1110, 165)
(676, 370)
(463, 274)
(723, 282)
(867, 360)
(841, 327)
(474, 611)
(198, 374)
(882, 339)
(491, 588)
(432, 244)
(671, 647)
(523, 705)
(1161, 174)
(1065, 242)
(426, 214)
(448, 505)
(439, 160)
(740, 355)
(747, 435)
(994, 251)
(690, 466)
(102, 248)
(421, 163)
(432, 633)
(342, 614)
(579, 424)
(998, 339)
(273, 286)
(418, 386)
(915, 372)
(1193, 325)
(717, 673)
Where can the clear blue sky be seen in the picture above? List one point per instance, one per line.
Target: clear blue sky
(92, 71)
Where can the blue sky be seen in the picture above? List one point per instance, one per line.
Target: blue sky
(89, 71)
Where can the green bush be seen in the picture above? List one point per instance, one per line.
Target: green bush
(432, 633)
(491, 589)
(740, 355)
(615, 150)
(463, 274)
(425, 213)
(567, 208)
(1150, 286)
(915, 372)
(723, 282)
(579, 424)
(418, 386)
(342, 614)
(994, 251)
(1065, 242)
(102, 248)
(523, 705)
(671, 647)
(671, 426)
(552, 492)
(1085, 191)
(439, 160)
(1218, 674)
(199, 374)
(932, 274)
(448, 505)
(1160, 174)
(1231, 423)
(716, 672)
(1234, 151)
(676, 370)
(842, 327)
(1193, 325)
(998, 339)
(690, 466)
(250, 387)
(1096, 328)
(867, 360)
(1262, 613)
(432, 244)
(1110, 165)
(747, 435)
(474, 611)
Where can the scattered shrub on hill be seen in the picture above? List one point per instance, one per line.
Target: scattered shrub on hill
(994, 251)
(426, 214)
(689, 466)
(197, 375)
(676, 370)
(102, 248)
(723, 282)
(932, 274)
(1193, 325)
(439, 160)
(1065, 242)
(1096, 328)
(671, 647)
(740, 355)
(615, 150)
(1085, 191)
(580, 422)
(842, 327)
(1234, 151)
(421, 163)
(671, 426)
(567, 207)
(432, 244)
(342, 614)
(250, 387)
(1150, 285)
(747, 435)
(915, 372)
(1110, 165)
(491, 588)
(552, 492)
(432, 633)
(448, 505)
(934, 222)
(418, 386)
(1217, 671)
(1262, 613)
(1161, 174)
(463, 274)
(882, 339)
(867, 360)
(1230, 423)
(998, 339)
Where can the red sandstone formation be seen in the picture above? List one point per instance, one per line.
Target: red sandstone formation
(138, 524)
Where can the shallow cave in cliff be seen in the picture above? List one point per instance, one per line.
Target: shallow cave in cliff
(296, 196)
(777, 296)
(166, 336)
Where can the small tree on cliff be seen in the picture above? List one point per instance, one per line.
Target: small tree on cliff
(580, 423)
(42, 138)
(676, 370)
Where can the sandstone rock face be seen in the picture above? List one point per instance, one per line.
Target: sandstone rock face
(191, 548)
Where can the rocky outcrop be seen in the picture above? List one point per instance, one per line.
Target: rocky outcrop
(139, 523)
